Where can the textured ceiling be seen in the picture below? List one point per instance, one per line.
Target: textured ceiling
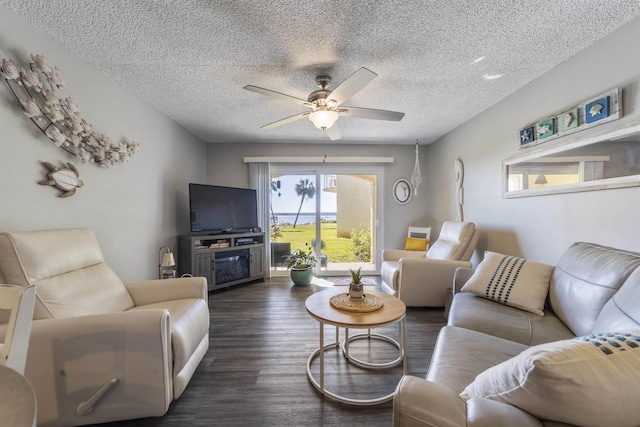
(191, 58)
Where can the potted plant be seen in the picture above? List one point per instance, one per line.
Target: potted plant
(301, 262)
(356, 289)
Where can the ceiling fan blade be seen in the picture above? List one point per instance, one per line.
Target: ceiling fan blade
(352, 85)
(370, 113)
(278, 95)
(285, 121)
(333, 132)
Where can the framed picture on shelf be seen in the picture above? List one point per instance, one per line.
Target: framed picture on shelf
(568, 120)
(596, 110)
(527, 135)
(545, 128)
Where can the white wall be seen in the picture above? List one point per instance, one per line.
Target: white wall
(133, 208)
(226, 167)
(542, 227)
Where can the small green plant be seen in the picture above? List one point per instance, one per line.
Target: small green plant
(276, 233)
(356, 276)
(301, 258)
(361, 241)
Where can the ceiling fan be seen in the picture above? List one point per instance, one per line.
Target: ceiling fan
(325, 105)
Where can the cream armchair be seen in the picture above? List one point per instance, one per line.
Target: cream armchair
(421, 279)
(102, 350)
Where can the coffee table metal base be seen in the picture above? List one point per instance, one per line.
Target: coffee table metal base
(401, 346)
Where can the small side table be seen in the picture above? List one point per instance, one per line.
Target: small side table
(392, 311)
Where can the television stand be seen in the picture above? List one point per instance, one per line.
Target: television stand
(223, 259)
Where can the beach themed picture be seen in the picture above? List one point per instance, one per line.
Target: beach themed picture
(527, 135)
(568, 120)
(546, 128)
(596, 110)
(589, 113)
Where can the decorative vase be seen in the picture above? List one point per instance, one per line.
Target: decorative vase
(356, 290)
(302, 276)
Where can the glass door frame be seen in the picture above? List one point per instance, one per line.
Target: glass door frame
(337, 169)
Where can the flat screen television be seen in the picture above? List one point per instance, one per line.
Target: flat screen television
(216, 209)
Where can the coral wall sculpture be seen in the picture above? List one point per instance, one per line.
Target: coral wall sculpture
(59, 118)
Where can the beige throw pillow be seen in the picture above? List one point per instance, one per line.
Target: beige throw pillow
(586, 381)
(513, 281)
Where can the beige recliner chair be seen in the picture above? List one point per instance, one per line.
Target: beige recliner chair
(421, 279)
(102, 350)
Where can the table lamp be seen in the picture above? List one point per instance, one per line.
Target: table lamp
(167, 263)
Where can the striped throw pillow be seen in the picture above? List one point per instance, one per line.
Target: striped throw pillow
(513, 281)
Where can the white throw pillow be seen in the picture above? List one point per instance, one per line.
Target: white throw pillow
(513, 281)
(587, 381)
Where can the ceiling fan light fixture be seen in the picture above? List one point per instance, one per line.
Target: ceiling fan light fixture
(323, 119)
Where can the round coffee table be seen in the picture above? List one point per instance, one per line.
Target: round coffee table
(392, 311)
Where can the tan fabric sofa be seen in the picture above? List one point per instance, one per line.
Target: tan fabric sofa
(593, 290)
(102, 350)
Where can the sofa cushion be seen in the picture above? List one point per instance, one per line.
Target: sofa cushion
(461, 354)
(91, 290)
(453, 240)
(621, 312)
(415, 244)
(584, 280)
(576, 381)
(68, 268)
(513, 281)
(480, 314)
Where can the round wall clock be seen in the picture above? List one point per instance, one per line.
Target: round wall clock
(402, 191)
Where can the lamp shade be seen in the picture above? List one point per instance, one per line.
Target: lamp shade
(541, 179)
(168, 260)
(323, 119)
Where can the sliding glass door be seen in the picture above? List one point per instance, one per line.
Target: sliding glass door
(332, 210)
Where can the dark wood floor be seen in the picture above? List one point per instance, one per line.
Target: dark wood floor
(255, 371)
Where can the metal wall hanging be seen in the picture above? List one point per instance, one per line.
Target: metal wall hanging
(59, 118)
